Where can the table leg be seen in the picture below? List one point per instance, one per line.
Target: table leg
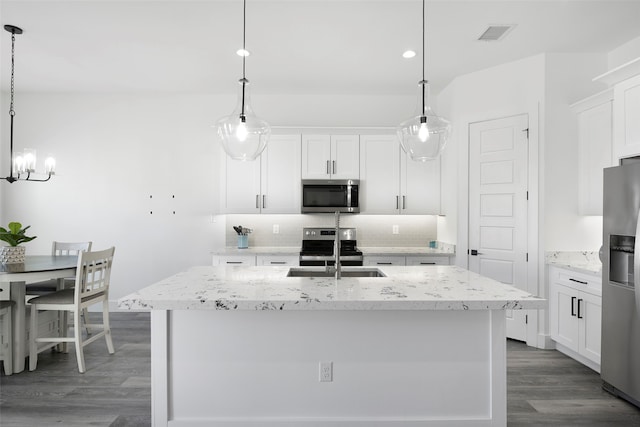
(19, 325)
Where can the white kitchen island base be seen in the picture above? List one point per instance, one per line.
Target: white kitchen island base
(390, 368)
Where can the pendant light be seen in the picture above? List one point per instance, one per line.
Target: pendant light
(243, 135)
(25, 162)
(424, 135)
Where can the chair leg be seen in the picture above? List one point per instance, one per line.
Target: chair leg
(85, 318)
(64, 331)
(8, 335)
(33, 335)
(107, 326)
(77, 335)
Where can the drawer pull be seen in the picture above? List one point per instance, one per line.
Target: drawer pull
(384, 263)
(427, 263)
(278, 262)
(234, 262)
(573, 305)
(579, 281)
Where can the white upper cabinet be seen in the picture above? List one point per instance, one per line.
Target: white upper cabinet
(330, 157)
(268, 185)
(379, 175)
(420, 186)
(239, 185)
(391, 183)
(625, 81)
(595, 149)
(626, 107)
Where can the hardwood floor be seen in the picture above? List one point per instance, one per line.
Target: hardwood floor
(545, 387)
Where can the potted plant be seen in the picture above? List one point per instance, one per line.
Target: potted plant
(14, 235)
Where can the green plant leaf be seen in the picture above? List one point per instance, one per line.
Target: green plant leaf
(15, 227)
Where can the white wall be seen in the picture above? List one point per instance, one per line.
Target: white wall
(114, 151)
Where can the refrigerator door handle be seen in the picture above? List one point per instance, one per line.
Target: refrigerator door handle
(636, 264)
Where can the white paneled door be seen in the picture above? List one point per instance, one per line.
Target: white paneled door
(498, 169)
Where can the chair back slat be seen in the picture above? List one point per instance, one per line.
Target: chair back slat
(93, 273)
(69, 248)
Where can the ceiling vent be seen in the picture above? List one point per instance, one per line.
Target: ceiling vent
(495, 32)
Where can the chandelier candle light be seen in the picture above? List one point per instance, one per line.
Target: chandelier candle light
(424, 135)
(243, 135)
(25, 162)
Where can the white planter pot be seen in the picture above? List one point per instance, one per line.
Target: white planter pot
(12, 254)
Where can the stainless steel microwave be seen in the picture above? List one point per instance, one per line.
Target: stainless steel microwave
(330, 195)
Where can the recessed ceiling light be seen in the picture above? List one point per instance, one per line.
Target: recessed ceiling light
(243, 52)
(409, 54)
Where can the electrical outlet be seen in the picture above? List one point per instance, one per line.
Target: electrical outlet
(396, 229)
(276, 229)
(326, 372)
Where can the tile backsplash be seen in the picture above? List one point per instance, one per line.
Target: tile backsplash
(373, 230)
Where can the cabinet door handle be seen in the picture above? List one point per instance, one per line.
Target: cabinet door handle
(397, 202)
(334, 166)
(578, 281)
(264, 201)
(257, 201)
(404, 202)
(579, 304)
(328, 172)
(573, 305)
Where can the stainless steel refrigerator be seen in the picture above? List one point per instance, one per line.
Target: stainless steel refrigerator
(620, 361)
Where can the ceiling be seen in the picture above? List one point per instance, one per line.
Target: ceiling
(298, 46)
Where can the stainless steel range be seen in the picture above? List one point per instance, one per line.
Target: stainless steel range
(318, 243)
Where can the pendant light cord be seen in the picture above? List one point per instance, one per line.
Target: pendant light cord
(12, 112)
(244, 56)
(423, 83)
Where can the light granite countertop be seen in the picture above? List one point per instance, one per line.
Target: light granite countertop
(580, 261)
(268, 288)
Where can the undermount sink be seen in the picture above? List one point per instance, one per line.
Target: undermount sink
(346, 272)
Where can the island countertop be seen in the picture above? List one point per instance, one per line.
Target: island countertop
(269, 288)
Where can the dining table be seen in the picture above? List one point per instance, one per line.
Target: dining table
(13, 280)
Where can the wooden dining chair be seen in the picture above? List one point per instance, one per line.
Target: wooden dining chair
(91, 287)
(58, 249)
(6, 346)
(47, 286)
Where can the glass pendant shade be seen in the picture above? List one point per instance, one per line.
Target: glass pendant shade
(424, 135)
(244, 136)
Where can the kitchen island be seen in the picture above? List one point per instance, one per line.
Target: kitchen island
(249, 346)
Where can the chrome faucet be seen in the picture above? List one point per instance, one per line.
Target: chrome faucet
(336, 247)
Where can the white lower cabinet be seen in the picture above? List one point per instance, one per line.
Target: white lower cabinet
(246, 260)
(251, 260)
(384, 260)
(412, 260)
(277, 260)
(575, 312)
(427, 260)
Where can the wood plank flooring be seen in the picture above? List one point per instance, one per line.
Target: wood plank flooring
(544, 387)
